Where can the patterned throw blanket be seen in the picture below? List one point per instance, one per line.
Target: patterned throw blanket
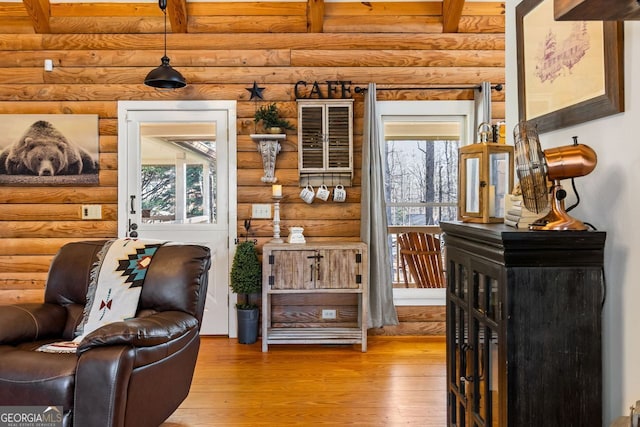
(114, 289)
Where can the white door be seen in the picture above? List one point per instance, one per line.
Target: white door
(176, 163)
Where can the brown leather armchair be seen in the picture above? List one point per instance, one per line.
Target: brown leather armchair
(130, 373)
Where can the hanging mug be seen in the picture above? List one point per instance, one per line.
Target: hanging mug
(339, 194)
(307, 194)
(323, 193)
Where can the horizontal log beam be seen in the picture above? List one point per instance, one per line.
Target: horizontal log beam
(25, 264)
(67, 229)
(45, 195)
(63, 212)
(312, 227)
(10, 296)
(177, 42)
(318, 210)
(248, 9)
(383, 24)
(35, 246)
(384, 8)
(248, 24)
(395, 58)
(23, 281)
(117, 78)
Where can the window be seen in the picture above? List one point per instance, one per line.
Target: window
(421, 180)
(421, 177)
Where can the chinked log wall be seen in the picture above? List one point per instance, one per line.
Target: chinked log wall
(102, 52)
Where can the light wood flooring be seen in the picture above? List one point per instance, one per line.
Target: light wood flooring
(400, 381)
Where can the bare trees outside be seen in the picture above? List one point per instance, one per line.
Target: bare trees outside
(421, 181)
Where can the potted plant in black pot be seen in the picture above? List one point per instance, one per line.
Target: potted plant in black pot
(246, 279)
(270, 118)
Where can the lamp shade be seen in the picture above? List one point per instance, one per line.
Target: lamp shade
(165, 77)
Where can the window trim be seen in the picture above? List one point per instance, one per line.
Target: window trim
(398, 111)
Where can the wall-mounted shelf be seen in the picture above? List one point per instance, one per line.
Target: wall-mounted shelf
(596, 10)
(269, 147)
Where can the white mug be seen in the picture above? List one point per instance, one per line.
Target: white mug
(307, 194)
(339, 194)
(323, 193)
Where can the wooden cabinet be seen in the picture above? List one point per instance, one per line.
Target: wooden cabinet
(523, 326)
(598, 10)
(325, 141)
(314, 269)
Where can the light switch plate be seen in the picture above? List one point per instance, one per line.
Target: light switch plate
(261, 211)
(91, 212)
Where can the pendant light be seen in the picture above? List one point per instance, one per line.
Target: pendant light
(165, 77)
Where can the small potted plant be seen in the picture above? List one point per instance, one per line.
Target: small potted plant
(270, 118)
(246, 279)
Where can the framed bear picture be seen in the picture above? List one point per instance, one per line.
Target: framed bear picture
(49, 149)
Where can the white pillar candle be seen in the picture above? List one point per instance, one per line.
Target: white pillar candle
(276, 190)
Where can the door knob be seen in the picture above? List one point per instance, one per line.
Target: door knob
(132, 229)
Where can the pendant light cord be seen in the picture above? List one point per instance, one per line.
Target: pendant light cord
(165, 30)
(163, 7)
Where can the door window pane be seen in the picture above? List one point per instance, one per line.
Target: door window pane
(178, 174)
(158, 193)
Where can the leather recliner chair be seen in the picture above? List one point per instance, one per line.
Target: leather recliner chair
(130, 373)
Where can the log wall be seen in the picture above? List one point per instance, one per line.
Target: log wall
(102, 52)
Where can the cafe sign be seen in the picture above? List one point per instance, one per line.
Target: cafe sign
(331, 89)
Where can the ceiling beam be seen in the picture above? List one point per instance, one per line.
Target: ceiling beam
(451, 13)
(315, 16)
(177, 10)
(39, 11)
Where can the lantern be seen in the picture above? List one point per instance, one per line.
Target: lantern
(486, 177)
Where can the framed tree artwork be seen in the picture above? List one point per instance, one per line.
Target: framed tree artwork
(568, 72)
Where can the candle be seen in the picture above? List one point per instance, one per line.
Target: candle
(276, 190)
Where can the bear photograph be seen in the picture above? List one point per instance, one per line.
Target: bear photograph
(49, 149)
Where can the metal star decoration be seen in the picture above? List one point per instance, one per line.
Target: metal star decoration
(256, 92)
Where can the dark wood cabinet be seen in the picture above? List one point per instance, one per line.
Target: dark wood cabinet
(523, 326)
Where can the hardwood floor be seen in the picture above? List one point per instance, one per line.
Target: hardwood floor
(400, 381)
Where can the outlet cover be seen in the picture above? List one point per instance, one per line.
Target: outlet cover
(261, 211)
(328, 314)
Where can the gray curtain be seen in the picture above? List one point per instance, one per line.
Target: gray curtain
(373, 229)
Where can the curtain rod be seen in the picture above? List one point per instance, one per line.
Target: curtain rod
(497, 87)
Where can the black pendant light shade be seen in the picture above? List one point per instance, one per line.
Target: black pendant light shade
(165, 77)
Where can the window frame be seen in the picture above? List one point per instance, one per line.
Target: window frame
(412, 111)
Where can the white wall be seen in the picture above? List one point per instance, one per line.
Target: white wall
(610, 200)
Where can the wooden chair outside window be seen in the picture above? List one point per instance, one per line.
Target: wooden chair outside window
(422, 259)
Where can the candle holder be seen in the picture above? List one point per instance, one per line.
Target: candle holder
(276, 219)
